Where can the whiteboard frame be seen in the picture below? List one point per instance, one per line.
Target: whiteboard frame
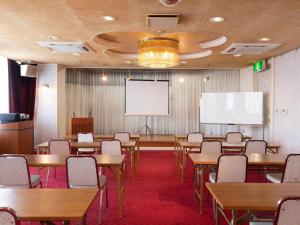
(125, 114)
(231, 124)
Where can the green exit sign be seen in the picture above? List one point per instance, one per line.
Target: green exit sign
(259, 66)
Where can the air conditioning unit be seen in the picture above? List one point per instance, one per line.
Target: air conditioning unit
(250, 48)
(66, 47)
(29, 70)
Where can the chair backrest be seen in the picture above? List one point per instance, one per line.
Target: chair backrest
(256, 146)
(14, 172)
(59, 147)
(234, 137)
(288, 211)
(232, 168)
(122, 136)
(8, 216)
(85, 137)
(292, 169)
(211, 147)
(82, 172)
(195, 137)
(111, 147)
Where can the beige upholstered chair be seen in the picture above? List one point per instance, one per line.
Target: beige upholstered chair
(57, 147)
(8, 217)
(111, 147)
(291, 172)
(287, 212)
(256, 146)
(234, 137)
(82, 172)
(14, 173)
(85, 137)
(231, 168)
(122, 136)
(211, 147)
(195, 137)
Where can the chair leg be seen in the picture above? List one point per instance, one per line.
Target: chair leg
(48, 174)
(100, 205)
(106, 192)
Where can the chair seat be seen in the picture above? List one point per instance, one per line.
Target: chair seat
(86, 150)
(35, 180)
(102, 180)
(274, 177)
(260, 223)
(212, 177)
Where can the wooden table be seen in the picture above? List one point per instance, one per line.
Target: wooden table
(202, 161)
(130, 146)
(249, 197)
(113, 162)
(185, 148)
(49, 204)
(99, 137)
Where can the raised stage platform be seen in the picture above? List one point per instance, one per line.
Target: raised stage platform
(157, 140)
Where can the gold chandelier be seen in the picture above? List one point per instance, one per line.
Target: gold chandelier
(158, 52)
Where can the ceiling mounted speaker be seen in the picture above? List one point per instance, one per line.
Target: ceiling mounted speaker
(169, 3)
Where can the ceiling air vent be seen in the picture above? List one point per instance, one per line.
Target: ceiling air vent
(249, 48)
(159, 21)
(66, 47)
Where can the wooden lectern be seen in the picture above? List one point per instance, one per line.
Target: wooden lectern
(16, 138)
(82, 125)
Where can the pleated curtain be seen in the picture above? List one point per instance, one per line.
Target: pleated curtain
(87, 93)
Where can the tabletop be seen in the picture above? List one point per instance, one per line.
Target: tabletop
(95, 144)
(253, 159)
(48, 204)
(251, 196)
(60, 160)
(187, 144)
(102, 136)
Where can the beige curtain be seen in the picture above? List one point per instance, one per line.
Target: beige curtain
(86, 92)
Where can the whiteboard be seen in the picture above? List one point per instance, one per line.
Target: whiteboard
(232, 108)
(147, 97)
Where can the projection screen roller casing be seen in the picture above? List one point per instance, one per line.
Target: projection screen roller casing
(147, 97)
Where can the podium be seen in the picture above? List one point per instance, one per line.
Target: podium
(17, 138)
(82, 125)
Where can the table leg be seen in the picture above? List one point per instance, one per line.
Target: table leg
(234, 217)
(133, 160)
(195, 181)
(217, 215)
(201, 187)
(68, 223)
(120, 189)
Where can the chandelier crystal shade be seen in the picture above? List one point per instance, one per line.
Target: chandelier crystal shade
(158, 52)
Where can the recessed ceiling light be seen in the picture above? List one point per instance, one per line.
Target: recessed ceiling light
(237, 55)
(264, 39)
(108, 18)
(53, 37)
(183, 62)
(181, 79)
(216, 19)
(76, 54)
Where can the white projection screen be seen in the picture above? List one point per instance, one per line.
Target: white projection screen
(147, 97)
(232, 108)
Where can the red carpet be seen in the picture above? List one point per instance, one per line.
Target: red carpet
(155, 196)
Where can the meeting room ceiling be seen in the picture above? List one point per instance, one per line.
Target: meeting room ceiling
(113, 44)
